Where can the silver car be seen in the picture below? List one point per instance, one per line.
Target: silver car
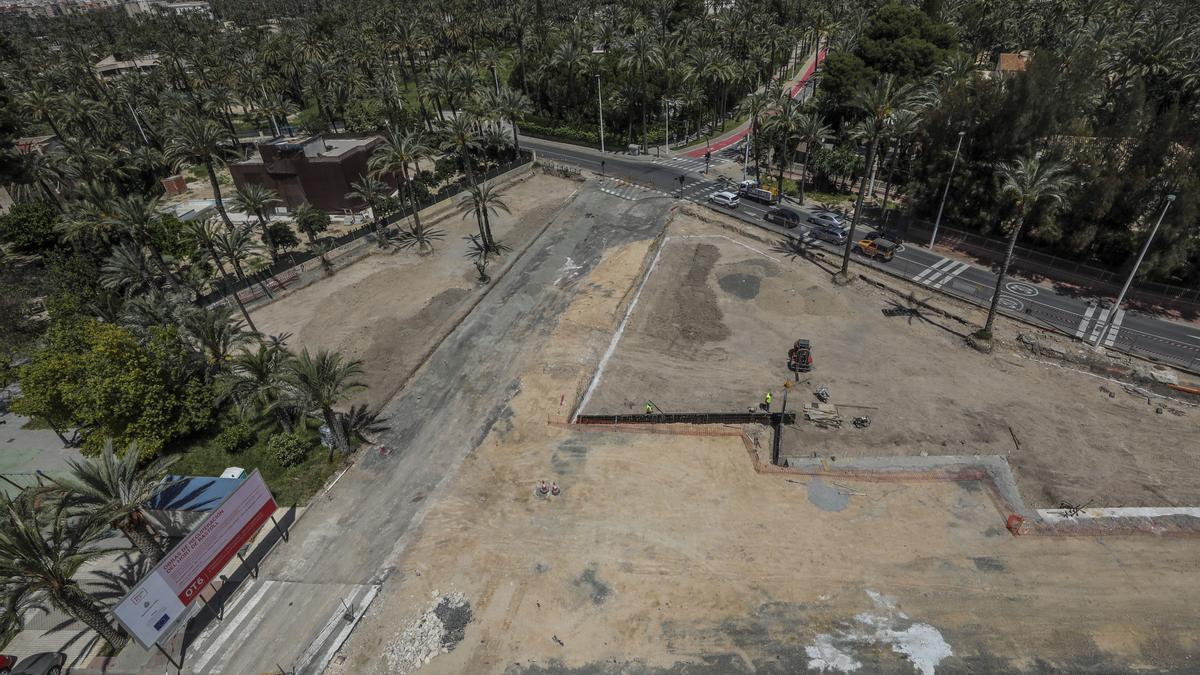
(827, 218)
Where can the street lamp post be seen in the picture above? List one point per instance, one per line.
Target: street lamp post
(1132, 273)
(937, 223)
(600, 108)
(667, 125)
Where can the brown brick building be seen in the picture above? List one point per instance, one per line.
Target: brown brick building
(315, 169)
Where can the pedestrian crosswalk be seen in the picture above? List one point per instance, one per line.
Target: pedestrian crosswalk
(630, 191)
(1090, 332)
(689, 163)
(942, 271)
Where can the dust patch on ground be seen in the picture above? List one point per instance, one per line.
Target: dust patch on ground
(744, 286)
(826, 497)
(689, 315)
(596, 589)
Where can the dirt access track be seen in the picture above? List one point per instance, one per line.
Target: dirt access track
(668, 553)
(390, 308)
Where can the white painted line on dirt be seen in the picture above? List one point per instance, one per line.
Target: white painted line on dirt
(612, 344)
(721, 236)
(225, 631)
(1083, 323)
(953, 272)
(1121, 512)
(1112, 332)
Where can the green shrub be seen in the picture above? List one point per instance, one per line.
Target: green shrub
(288, 449)
(235, 438)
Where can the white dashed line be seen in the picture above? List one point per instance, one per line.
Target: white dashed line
(1083, 323)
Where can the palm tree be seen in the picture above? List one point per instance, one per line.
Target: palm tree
(255, 381)
(195, 139)
(879, 102)
(905, 124)
(394, 157)
(237, 246)
(373, 192)
(460, 137)
(813, 132)
(214, 333)
(254, 199)
(139, 216)
(481, 201)
(755, 105)
(43, 545)
(311, 221)
(783, 128)
(318, 382)
(1028, 180)
(513, 106)
(117, 489)
(641, 56)
(205, 234)
(128, 270)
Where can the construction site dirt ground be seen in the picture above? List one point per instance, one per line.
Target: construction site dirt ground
(714, 324)
(670, 553)
(389, 308)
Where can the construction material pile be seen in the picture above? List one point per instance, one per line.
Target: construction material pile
(824, 415)
(437, 631)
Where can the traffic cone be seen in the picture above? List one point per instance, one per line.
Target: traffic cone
(554, 489)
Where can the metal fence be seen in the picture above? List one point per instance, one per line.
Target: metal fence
(283, 271)
(1053, 267)
(691, 418)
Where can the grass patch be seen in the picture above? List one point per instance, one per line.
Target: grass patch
(829, 197)
(292, 486)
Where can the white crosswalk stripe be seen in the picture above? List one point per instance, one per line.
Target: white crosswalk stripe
(1116, 326)
(1099, 325)
(1083, 323)
(953, 271)
(688, 163)
(234, 617)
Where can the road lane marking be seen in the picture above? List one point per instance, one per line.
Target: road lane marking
(1083, 323)
(954, 272)
(1116, 326)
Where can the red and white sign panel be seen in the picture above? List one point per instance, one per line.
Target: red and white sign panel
(160, 600)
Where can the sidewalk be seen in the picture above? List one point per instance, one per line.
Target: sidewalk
(743, 129)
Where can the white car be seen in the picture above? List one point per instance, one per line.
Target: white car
(724, 198)
(827, 218)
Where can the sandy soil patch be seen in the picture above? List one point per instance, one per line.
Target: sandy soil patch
(391, 307)
(668, 553)
(715, 322)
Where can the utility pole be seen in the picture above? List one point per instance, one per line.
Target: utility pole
(946, 192)
(600, 108)
(667, 125)
(1132, 273)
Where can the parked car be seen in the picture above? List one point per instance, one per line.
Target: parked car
(724, 198)
(786, 217)
(834, 234)
(6, 663)
(891, 235)
(45, 663)
(827, 218)
(878, 248)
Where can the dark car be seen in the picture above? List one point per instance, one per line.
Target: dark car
(45, 663)
(785, 217)
(891, 235)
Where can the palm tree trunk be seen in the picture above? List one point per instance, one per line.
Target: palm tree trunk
(412, 200)
(336, 431)
(216, 188)
(858, 205)
(266, 236)
(142, 540)
(1008, 256)
(804, 170)
(83, 607)
(516, 141)
(645, 133)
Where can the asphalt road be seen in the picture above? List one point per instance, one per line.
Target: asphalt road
(1134, 332)
(312, 589)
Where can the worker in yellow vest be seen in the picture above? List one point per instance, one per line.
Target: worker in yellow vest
(649, 407)
(767, 402)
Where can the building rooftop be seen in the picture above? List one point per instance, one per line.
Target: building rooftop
(111, 64)
(193, 493)
(314, 147)
(1012, 63)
